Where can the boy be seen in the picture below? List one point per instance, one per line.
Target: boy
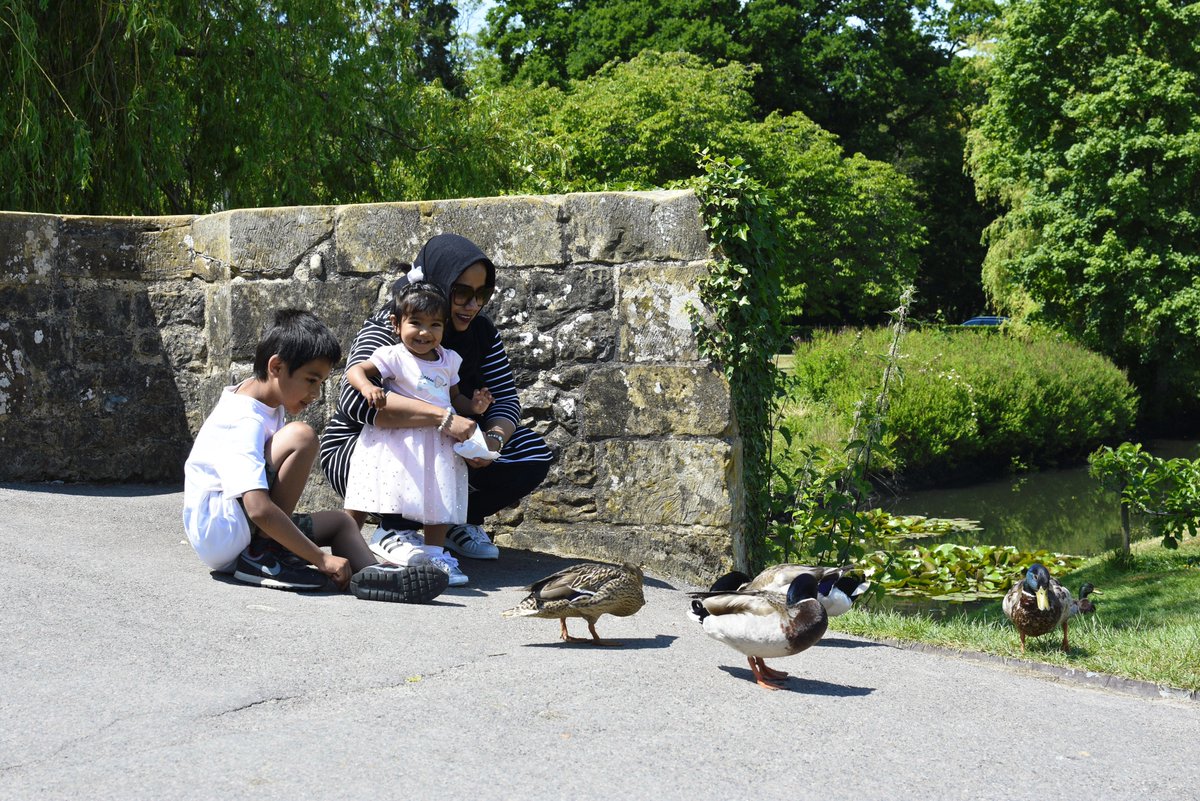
(247, 470)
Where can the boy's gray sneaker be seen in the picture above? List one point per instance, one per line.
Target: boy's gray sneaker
(412, 584)
(471, 541)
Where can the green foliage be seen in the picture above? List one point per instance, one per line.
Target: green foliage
(637, 124)
(554, 42)
(740, 326)
(883, 76)
(173, 107)
(970, 402)
(1090, 138)
(1145, 626)
(820, 503)
(1165, 491)
(848, 228)
(949, 572)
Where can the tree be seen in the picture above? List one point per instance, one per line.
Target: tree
(848, 226)
(182, 107)
(1090, 140)
(883, 75)
(542, 41)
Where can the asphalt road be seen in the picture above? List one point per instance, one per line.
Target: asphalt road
(130, 671)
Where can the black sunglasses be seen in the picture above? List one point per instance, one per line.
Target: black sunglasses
(461, 294)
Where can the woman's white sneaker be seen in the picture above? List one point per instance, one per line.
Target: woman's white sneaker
(471, 541)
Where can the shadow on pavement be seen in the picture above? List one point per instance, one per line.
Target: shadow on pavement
(635, 643)
(97, 490)
(796, 684)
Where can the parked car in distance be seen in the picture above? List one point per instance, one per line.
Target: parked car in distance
(986, 321)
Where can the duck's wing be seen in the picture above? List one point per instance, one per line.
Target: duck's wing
(778, 578)
(575, 584)
(744, 603)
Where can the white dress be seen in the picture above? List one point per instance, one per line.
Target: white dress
(412, 472)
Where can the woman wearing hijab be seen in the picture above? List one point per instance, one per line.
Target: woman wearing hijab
(468, 278)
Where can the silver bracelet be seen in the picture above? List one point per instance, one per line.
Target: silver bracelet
(442, 426)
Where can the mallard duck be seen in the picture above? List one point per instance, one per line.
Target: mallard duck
(763, 623)
(586, 590)
(837, 587)
(1038, 604)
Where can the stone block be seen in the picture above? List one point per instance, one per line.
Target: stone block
(652, 315)
(165, 253)
(669, 482)
(619, 227)
(207, 246)
(542, 298)
(655, 401)
(270, 243)
(559, 506)
(520, 230)
(341, 305)
(696, 555)
(377, 238)
(29, 247)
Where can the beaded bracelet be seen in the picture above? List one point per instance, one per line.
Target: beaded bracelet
(445, 421)
(496, 435)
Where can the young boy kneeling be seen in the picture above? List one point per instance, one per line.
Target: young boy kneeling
(247, 470)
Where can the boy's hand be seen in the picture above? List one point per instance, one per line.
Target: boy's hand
(481, 401)
(376, 397)
(337, 569)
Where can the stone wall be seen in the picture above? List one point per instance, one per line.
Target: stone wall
(117, 334)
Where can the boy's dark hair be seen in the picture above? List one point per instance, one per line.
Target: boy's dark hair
(420, 297)
(299, 338)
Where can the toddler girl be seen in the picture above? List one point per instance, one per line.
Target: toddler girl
(415, 472)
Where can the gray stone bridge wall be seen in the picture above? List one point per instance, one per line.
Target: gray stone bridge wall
(117, 334)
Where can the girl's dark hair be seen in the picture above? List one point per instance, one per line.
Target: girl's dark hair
(420, 297)
(299, 338)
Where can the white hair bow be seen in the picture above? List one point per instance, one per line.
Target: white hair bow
(416, 274)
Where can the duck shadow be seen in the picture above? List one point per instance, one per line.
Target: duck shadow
(804, 686)
(625, 644)
(840, 642)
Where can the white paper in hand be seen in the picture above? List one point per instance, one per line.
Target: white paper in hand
(475, 447)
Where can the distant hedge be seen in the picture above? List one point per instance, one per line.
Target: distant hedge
(971, 402)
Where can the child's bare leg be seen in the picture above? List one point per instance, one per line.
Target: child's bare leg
(339, 531)
(291, 452)
(435, 533)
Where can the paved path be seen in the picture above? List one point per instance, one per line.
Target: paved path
(129, 671)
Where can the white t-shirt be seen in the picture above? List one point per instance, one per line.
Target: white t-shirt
(227, 460)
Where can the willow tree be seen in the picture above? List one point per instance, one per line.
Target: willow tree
(176, 106)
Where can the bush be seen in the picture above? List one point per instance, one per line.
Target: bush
(970, 404)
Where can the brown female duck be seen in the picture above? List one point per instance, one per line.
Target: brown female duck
(586, 590)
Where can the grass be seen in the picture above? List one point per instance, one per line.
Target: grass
(1146, 625)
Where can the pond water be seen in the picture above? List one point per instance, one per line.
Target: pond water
(1055, 510)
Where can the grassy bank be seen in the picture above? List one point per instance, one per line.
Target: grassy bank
(1146, 625)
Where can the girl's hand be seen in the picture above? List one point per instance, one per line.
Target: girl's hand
(481, 400)
(461, 428)
(376, 397)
